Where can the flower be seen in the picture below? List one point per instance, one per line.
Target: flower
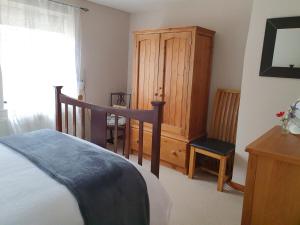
(290, 115)
(280, 114)
(293, 110)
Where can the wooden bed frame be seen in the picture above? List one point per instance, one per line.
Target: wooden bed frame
(98, 127)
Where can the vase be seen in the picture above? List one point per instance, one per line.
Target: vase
(284, 127)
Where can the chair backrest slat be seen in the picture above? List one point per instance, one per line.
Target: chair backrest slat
(235, 117)
(120, 98)
(225, 115)
(229, 116)
(227, 107)
(216, 117)
(222, 118)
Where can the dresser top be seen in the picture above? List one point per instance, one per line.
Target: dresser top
(275, 144)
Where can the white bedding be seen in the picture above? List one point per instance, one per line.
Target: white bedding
(28, 196)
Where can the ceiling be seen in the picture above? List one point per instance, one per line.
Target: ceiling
(135, 6)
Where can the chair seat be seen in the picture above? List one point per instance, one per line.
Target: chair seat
(111, 120)
(213, 145)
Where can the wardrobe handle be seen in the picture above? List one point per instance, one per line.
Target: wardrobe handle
(156, 94)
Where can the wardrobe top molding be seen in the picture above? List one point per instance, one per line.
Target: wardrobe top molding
(198, 30)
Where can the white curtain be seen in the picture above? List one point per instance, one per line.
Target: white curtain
(39, 48)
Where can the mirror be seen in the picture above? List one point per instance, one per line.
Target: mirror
(287, 48)
(281, 50)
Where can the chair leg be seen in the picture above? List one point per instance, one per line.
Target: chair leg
(192, 162)
(111, 136)
(231, 159)
(222, 173)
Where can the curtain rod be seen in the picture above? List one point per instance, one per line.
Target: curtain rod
(78, 7)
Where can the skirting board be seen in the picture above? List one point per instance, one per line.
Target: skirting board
(236, 186)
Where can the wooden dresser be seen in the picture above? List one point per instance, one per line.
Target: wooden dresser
(173, 65)
(272, 192)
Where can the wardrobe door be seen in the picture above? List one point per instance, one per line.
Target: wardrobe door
(174, 79)
(145, 70)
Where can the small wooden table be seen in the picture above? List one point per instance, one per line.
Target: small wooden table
(272, 192)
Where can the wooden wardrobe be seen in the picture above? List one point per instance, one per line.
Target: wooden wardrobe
(172, 65)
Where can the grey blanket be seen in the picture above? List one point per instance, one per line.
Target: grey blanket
(109, 190)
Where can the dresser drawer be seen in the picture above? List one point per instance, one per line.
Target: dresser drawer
(172, 151)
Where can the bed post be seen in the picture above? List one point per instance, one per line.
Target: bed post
(58, 118)
(156, 130)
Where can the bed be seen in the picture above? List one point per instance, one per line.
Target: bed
(28, 196)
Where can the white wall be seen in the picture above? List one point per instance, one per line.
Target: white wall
(230, 19)
(1, 91)
(104, 50)
(262, 97)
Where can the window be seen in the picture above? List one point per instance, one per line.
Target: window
(37, 51)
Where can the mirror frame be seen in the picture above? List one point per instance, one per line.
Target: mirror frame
(266, 68)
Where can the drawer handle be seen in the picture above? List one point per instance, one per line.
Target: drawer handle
(174, 153)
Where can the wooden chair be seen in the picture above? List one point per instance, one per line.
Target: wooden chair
(220, 142)
(119, 100)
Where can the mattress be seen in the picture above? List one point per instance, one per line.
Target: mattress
(28, 196)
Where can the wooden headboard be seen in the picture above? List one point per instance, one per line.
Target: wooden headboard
(98, 127)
